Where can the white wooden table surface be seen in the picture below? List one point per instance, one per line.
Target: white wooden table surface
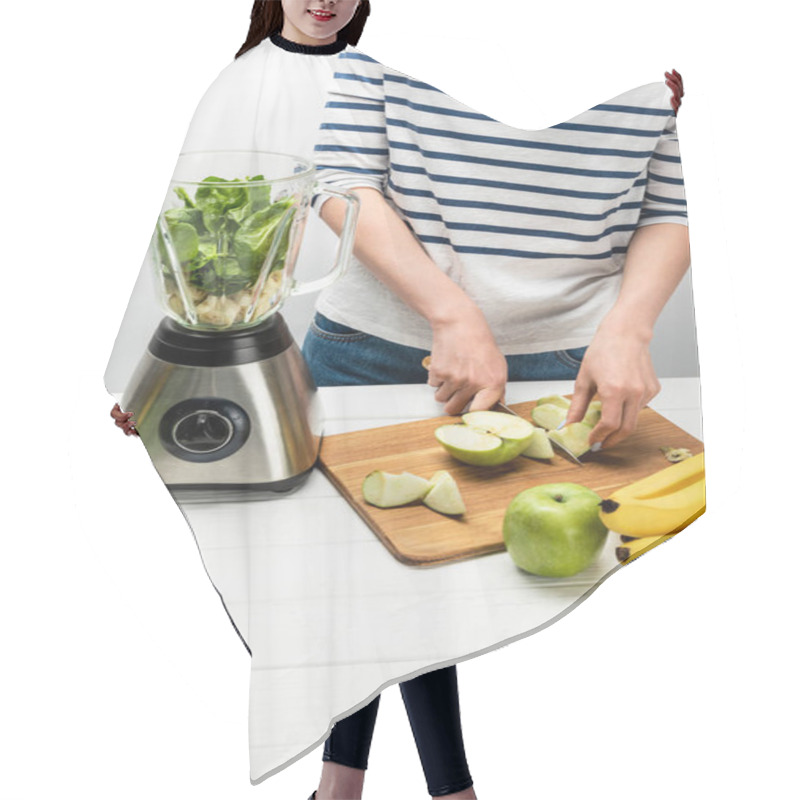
(331, 617)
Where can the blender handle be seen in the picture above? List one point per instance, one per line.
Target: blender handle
(346, 238)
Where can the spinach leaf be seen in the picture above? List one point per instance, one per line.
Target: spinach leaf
(191, 216)
(181, 192)
(258, 196)
(252, 241)
(185, 241)
(216, 195)
(222, 236)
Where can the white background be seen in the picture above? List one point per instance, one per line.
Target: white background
(122, 676)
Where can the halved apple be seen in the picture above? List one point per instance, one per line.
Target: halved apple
(549, 416)
(486, 438)
(540, 446)
(575, 437)
(443, 496)
(387, 490)
(553, 400)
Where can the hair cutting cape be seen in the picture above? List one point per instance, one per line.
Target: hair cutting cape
(332, 600)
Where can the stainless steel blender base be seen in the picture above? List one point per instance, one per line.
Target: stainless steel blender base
(229, 431)
(233, 493)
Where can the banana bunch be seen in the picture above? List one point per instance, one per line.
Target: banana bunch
(631, 548)
(656, 507)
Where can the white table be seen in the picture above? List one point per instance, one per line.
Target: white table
(331, 617)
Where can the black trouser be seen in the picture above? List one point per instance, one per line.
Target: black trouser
(431, 702)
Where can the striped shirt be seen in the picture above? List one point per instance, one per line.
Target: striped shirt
(533, 225)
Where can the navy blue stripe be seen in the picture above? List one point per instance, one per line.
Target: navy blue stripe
(448, 112)
(513, 209)
(506, 231)
(670, 159)
(665, 179)
(497, 162)
(647, 212)
(344, 76)
(655, 112)
(341, 148)
(607, 129)
(496, 251)
(514, 187)
(331, 126)
(409, 82)
(357, 57)
(375, 105)
(347, 168)
(499, 140)
(656, 199)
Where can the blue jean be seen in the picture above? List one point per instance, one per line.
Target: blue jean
(341, 356)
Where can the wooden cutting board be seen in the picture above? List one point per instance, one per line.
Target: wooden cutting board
(417, 536)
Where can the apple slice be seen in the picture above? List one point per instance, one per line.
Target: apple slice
(486, 438)
(540, 446)
(549, 416)
(575, 437)
(553, 400)
(387, 490)
(443, 496)
(592, 415)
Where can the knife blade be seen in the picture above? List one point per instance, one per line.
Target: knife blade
(498, 406)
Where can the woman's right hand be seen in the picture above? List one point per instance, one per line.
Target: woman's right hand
(466, 366)
(124, 420)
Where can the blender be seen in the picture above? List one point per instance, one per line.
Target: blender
(222, 398)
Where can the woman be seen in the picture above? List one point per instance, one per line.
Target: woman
(411, 292)
(506, 254)
(291, 48)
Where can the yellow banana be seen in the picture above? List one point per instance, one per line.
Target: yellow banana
(632, 549)
(662, 503)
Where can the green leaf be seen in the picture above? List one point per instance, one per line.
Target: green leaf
(258, 196)
(185, 242)
(252, 241)
(191, 216)
(215, 196)
(203, 276)
(181, 192)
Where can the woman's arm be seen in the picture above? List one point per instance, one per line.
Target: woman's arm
(466, 364)
(617, 366)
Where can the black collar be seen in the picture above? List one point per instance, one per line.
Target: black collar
(308, 49)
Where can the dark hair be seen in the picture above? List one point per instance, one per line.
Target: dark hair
(266, 18)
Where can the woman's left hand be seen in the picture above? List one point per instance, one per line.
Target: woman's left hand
(618, 369)
(675, 82)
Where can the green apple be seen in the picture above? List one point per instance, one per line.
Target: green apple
(486, 438)
(575, 437)
(540, 446)
(553, 400)
(387, 490)
(554, 530)
(549, 416)
(443, 496)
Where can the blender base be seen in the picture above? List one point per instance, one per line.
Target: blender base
(203, 493)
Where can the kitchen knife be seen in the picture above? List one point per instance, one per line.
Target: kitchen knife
(498, 406)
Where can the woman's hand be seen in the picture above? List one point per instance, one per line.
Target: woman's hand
(124, 420)
(466, 367)
(675, 82)
(617, 367)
